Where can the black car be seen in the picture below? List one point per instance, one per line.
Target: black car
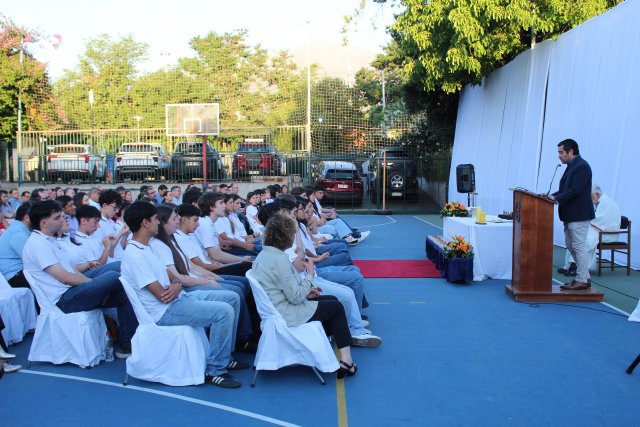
(186, 162)
(401, 175)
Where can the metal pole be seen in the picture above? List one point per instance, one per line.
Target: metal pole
(384, 98)
(93, 119)
(384, 181)
(19, 135)
(308, 88)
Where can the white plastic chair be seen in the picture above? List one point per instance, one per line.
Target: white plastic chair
(18, 310)
(78, 338)
(281, 345)
(171, 355)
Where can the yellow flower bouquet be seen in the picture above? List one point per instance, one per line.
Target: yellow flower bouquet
(454, 209)
(458, 248)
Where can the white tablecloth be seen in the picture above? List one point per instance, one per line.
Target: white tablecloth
(492, 245)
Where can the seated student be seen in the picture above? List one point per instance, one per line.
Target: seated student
(99, 251)
(211, 208)
(347, 275)
(11, 245)
(168, 304)
(69, 212)
(63, 285)
(176, 195)
(361, 336)
(297, 299)
(109, 201)
(253, 198)
(335, 226)
(191, 196)
(194, 278)
(340, 254)
(607, 218)
(231, 232)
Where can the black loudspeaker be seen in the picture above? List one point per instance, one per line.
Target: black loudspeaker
(465, 178)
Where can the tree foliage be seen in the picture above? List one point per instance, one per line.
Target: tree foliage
(108, 67)
(450, 43)
(29, 78)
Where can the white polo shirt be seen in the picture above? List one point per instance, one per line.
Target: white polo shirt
(42, 251)
(252, 213)
(189, 245)
(206, 236)
(307, 241)
(223, 225)
(107, 227)
(141, 267)
(75, 253)
(93, 248)
(162, 251)
(240, 232)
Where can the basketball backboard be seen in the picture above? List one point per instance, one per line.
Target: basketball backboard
(192, 119)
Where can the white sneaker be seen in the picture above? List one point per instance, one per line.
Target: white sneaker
(363, 235)
(5, 355)
(352, 241)
(9, 368)
(366, 340)
(365, 323)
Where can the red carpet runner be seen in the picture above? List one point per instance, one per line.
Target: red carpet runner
(397, 268)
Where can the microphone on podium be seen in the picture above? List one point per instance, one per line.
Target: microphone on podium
(552, 178)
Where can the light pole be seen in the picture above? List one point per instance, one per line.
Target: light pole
(93, 119)
(138, 118)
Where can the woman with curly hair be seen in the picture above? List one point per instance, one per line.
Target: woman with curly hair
(296, 298)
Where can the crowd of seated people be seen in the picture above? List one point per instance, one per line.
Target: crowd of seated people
(186, 255)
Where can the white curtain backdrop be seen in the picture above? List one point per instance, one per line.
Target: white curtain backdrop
(583, 86)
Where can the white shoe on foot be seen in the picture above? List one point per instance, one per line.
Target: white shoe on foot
(5, 355)
(363, 235)
(9, 368)
(366, 340)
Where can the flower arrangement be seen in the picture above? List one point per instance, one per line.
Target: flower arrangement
(454, 209)
(458, 248)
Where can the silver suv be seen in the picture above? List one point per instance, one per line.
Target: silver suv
(143, 160)
(76, 161)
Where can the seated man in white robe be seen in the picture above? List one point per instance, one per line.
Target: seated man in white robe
(607, 219)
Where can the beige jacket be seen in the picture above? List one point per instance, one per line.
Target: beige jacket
(286, 289)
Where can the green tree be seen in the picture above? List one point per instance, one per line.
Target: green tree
(109, 68)
(39, 111)
(450, 43)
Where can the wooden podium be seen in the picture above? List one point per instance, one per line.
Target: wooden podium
(532, 263)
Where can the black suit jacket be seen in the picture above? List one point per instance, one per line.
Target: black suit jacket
(574, 195)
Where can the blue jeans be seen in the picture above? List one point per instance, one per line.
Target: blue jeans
(103, 291)
(345, 275)
(221, 294)
(241, 252)
(341, 258)
(348, 300)
(333, 246)
(201, 309)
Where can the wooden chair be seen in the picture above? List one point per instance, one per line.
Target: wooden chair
(618, 246)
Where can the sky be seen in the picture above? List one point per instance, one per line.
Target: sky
(168, 25)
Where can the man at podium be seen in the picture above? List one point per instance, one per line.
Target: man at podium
(575, 210)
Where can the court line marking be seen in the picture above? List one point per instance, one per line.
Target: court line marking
(393, 221)
(166, 394)
(341, 396)
(601, 302)
(427, 222)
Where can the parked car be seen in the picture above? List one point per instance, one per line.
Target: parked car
(340, 181)
(142, 159)
(256, 157)
(76, 161)
(186, 162)
(401, 175)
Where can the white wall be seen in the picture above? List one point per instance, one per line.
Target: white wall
(585, 86)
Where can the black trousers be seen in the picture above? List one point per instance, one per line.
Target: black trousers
(331, 313)
(19, 281)
(237, 269)
(2, 343)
